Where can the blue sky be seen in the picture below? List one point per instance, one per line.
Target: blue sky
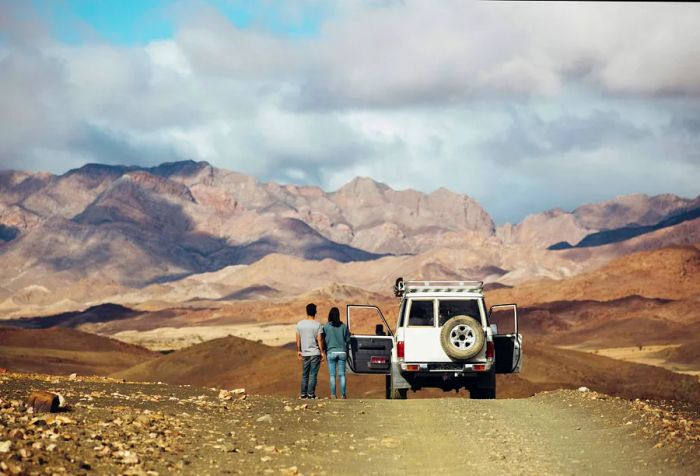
(134, 22)
(524, 106)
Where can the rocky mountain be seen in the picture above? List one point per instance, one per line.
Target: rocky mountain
(102, 231)
(560, 229)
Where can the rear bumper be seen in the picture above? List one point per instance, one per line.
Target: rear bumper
(418, 368)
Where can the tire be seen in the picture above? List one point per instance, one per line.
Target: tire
(462, 337)
(485, 387)
(399, 394)
(482, 393)
(394, 393)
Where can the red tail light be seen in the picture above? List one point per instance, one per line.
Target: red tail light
(490, 351)
(400, 349)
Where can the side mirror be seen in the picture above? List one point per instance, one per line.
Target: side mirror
(494, 329)
(379, 330)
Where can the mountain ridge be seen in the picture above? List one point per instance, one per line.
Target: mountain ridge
(101, 230)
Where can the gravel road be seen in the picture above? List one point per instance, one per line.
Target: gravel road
(125, 428)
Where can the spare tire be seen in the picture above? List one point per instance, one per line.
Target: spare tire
(462, 337)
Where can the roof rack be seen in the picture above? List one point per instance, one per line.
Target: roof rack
(403, 287)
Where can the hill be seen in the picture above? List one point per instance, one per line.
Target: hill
(669, 273)
(64, 351)
(233, 362)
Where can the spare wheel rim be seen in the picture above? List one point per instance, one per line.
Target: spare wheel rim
(462, 336)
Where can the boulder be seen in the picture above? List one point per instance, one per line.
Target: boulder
(41, 401)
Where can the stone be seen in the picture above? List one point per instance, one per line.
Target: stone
(584, 389)
(127, 457)
(5, 446)
(61, 402)
(73, 377)
(41, 401)
(265, 418)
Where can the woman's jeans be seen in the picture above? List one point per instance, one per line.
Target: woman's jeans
(336, 360)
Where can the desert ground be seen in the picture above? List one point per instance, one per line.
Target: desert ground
(114, 427)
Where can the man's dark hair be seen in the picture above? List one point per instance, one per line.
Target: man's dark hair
(311, 309)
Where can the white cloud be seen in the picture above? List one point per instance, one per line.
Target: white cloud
(504, 101)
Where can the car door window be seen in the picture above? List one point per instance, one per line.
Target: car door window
(422, 314)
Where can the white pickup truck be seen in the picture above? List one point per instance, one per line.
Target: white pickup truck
(444, 338)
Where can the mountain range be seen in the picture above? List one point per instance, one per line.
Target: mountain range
(187, 230)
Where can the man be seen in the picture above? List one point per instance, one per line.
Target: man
(309, 351)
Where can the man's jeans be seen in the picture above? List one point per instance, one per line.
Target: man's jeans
(336, 360)
(309, 372)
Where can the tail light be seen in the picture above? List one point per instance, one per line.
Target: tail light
(400, 351)
(490, 351)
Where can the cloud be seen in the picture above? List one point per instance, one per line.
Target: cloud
(400, 53)
(529, 136)
(523, 106)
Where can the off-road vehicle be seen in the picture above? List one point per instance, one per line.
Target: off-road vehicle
(444, 338)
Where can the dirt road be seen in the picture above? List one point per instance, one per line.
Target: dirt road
(136, 428)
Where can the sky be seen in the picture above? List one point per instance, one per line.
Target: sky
(523, 106)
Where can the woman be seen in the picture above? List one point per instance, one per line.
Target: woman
(336, 338)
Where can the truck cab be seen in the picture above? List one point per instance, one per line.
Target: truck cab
(445, 337)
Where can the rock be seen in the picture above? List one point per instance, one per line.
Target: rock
(59, 420)
(225, 395)
(38, 422)
(287, 408)
(238, 391)
(584, 389)
(61, 402)
(127, 457)
(73, 377)
(265, 418)
(5, 446)
(43, 402)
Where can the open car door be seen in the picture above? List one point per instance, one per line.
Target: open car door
(507, 342)
(371, 340)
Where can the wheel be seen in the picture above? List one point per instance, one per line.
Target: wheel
(394, 393)
(485, 387)
(482, 393)
(462, 337)
(399, 394)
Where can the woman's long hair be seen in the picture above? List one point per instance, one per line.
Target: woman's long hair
(334, 317)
